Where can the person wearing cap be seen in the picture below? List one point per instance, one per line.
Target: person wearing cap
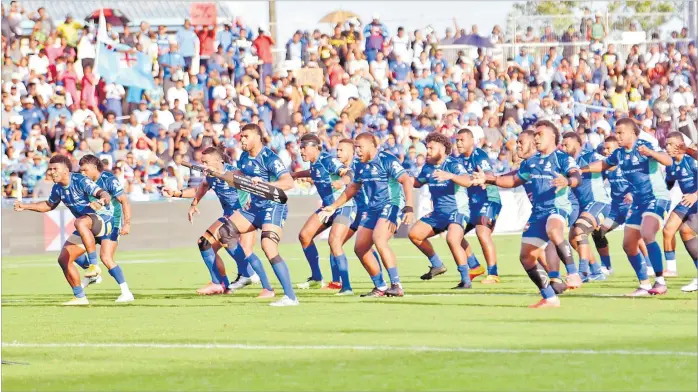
(58, 108)
(376, 33)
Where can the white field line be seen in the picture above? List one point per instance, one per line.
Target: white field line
(465, 350)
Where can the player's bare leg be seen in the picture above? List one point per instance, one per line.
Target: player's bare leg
(454, 239)
(671, 227)
(631, 241)
(363, 249)
(68, 254)
(107, 252)
(419, 235)
(554, 228)
(381, 236)
(484, 235)
(475, 268)
(338, 231)
(84, 227)
(651, 224)
(311, 229)
(271, 236)
(528, 256)
(690, 241)
(579, 239)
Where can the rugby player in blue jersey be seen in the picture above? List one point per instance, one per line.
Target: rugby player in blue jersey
(485, 205)
(551, 173)
(92, 168)
(249, 265)
(330, 177)
(93, 218)
(447, 180)
(387, 188)
(684, 217)
(594, 206)
(261, 164)
(641, 164)
(621, 201)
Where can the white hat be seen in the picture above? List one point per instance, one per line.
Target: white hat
(70, 125)
(15, 75)
(16, 119)
(376, 16)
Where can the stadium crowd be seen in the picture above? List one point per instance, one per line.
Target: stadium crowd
(397, 85)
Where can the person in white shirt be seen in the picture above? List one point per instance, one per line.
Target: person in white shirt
(414, 104)
(344, 91)
(379, 70)
(39, 62)
(165, 117)
(134, 129)
(421, 63)
(81, 114)
(45, 89)
(115, 94)
(86, 50)
(178, 92)
(15, 81)
(438, 107)
(142, 113)
(401, 43)
(476, 130)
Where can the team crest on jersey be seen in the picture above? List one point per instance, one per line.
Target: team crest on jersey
(374, 170)
(635, 160)
(267, 216)
(547, 167)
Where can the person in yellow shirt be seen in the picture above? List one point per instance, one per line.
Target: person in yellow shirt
(619, 100)
(69, 29)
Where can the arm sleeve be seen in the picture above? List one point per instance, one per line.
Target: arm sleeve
(276, 167)
(55, 196)
(393, 167)
(114, 187)
(568, 164)
(89, 187)
(335, 166)
(483, 163)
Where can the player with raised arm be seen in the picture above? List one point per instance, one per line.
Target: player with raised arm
(92, 168)
(551, 173)
(594, 206)
(261, 165)
(447, 180)
(330, 177)
(93, 218)
(684, 217)
(387, 188)
(621, 201)
(485, 205)
(216, 161)
(640, 162)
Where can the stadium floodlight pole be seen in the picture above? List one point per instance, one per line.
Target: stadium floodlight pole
(272, 19)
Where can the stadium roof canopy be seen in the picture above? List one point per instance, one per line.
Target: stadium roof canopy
(155, 12)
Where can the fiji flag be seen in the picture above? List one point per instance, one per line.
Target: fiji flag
(128, 68)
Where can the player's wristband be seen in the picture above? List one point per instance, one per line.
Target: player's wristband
(407, 209)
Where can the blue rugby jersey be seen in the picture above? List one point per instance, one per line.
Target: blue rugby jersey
(685, 173)
(378, 178)
(76, 196)
(643, 173)
(267, 166)
(447, 196)
(111, 184)
(619, 185)
(324, 172)
(476, 161)
(540, 171)
(228, 196)
(592, 188)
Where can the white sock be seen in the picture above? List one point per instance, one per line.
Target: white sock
(124, 288)
(645, 286)
(660, 280)
(671, 265)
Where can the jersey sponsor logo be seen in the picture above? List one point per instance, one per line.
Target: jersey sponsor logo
(635, 160)
(374, 170)
(548, 167)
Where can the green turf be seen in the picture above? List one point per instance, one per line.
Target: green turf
(167, 312)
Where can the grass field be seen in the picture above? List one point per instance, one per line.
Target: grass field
(432, 339)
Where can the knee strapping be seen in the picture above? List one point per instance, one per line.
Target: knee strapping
(271, 235)
(600, 240)
(204, 243)
(229, 235)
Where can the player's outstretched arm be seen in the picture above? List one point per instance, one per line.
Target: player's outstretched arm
(42, 206)
(463, 180)
(658, 156)
(596, 167)
(348, 194)
(506, 181)
(186, 193)
(301, 174)
(574, 178)
(285, 182)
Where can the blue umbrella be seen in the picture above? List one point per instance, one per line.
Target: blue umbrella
(474, 40)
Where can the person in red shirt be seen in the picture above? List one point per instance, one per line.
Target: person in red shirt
(263, 44)
(207, 37)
